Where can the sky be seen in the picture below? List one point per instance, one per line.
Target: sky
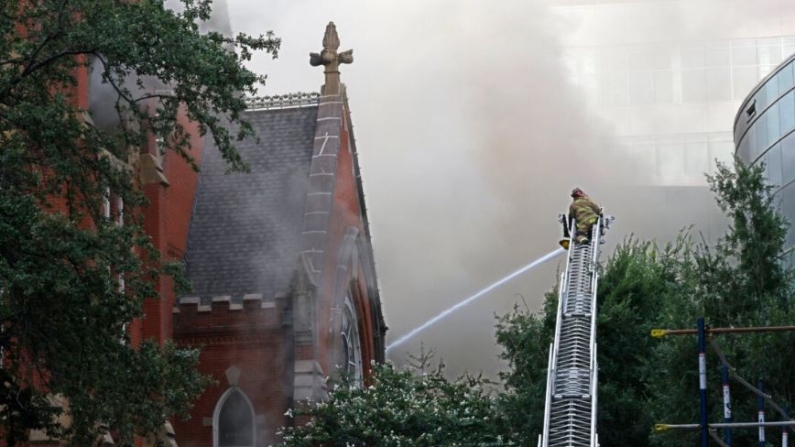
(471, 136)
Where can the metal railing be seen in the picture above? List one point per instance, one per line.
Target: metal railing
(288, 100)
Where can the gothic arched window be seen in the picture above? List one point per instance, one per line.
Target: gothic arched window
(351, 344)
(234, 420)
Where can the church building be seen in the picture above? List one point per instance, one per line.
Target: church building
(285, 292)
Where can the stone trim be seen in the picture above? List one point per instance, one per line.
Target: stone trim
(184, 303)
(309, 383)
(215, 340)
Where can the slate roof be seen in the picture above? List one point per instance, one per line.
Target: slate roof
(245, 232)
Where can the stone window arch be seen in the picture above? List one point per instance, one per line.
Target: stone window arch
(233, 420)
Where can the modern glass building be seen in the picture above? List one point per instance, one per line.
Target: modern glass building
(764, 132)
(667, 77)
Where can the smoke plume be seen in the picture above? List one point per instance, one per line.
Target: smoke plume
(471, 135)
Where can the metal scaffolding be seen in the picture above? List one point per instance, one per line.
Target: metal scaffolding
(727, 371)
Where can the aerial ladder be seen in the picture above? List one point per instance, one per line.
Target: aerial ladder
(571, 404)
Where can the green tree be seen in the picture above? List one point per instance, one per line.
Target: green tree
(63, 312)
(402, 408)
(740, 281)
(525, 338)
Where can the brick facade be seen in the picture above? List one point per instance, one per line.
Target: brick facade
(269, 305)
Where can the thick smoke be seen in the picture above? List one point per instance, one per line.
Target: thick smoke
(471, 135)
(103, 96)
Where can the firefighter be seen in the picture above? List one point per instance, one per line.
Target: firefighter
(585, 212)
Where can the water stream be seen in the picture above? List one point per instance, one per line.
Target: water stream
(472, 298)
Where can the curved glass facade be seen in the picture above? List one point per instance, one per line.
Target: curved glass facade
(764, 132)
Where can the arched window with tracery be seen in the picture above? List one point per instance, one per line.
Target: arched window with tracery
(233, 421)
(351, 344)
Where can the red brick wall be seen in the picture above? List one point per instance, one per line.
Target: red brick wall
(250, 339)
(346, 213)
(167, 221)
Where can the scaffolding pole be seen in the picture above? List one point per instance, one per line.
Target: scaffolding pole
(665, 427)
(760, 406)
(702, 382)
(657, 333)
(727, 404)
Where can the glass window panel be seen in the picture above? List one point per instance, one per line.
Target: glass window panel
(773, 165)
(771, 89)
(670, 159)
(645, 153)
(786, 111)
(587, 60)
(693, 86)
(785, 79)
(716, 57)
(570, 63)
(744, 79)
(718, 84)
(769, 53)
(661, 58)
(722, 151)
(777, 202)
(773, 124)
(692, 58)
(788, 202)
(789, 50)
(750, 136)
(761, 136)
(641, 59)
(641, 88)
(696, 158)
(663, 87)
(743, 150)
(615, 89)
(761, 100)
(744, 56)
(764, 70)
(788, 159)
(589, 85)
(614, 60)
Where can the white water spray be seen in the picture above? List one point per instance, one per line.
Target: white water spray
(472, 298)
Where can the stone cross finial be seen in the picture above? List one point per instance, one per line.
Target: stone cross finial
(331, 60)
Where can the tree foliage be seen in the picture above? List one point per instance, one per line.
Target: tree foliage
(525, 339)
(403, 408)
(63, 309)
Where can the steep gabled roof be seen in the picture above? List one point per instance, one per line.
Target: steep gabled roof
(245, 232)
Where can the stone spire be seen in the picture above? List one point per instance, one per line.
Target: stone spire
(331, 60)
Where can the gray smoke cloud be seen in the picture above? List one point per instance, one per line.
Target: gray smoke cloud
(471, 136)
(103, 96)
